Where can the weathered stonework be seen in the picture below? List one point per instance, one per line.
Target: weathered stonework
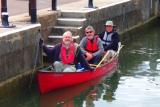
(125, 15)
(47, 19)
(18, 51)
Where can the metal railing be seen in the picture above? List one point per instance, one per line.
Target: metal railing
(4, 14)
(32, 7)
(54, 4)
(33, 10)
(90, 4)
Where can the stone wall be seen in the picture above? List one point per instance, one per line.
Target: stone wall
(18, 50)
(125, 16)
(47, 19)
(19, 47)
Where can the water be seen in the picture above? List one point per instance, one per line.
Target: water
(136, 84)
(139, 84)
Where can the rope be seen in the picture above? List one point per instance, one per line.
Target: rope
(38, 48)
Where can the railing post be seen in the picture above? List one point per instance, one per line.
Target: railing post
(4, 15)
(90, 3)
(33, 11)
(3, 5)
(29, 7)
(54, 4)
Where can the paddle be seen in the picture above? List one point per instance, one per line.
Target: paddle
(104, 57)
(94, 65)
(117, 53)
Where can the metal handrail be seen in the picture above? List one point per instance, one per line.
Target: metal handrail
(4, 15)
(33, 10)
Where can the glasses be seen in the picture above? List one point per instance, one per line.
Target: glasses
(109, 26)
(89, 32)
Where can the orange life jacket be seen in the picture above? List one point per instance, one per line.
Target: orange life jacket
(91, 45)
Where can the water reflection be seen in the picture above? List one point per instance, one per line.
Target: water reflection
(140, 65)
(138, 91)
(68, 97)
(86, 94)
(19, 98)
(141, 57)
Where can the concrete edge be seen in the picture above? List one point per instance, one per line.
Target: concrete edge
(20, 29)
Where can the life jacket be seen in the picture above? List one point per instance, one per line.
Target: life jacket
(107, 38)
(91, 45)
(68, 55)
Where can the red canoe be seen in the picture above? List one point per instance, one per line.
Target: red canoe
(50, 80)
(67, 95)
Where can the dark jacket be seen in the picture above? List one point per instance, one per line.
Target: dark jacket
(54, 54)
(114, 41)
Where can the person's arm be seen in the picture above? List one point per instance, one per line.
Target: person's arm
(100, 47)
(80, 58)
(48, 51)
(82, 45)
(101, 35)
(114, 43)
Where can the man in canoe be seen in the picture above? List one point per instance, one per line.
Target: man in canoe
(110, 38)
(91, 46)
(66, 55)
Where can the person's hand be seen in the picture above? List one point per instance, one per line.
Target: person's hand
(89, 56)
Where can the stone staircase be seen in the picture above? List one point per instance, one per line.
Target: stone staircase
(72, 21)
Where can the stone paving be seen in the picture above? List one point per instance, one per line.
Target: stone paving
(16, 7)
(82, 5)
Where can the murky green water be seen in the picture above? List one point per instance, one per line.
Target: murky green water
(136, 84)
(139, 84)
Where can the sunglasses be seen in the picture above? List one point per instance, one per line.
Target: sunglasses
(109, 26)
(89, 32)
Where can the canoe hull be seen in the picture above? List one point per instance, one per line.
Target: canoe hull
(67, 94)
(54, 80)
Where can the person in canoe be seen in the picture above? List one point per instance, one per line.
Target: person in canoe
(110, 38)
(91, 46)
(66, 55)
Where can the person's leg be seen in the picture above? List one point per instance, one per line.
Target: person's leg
(111, 53)
(58, 66)
(69, 68)
(96, 59)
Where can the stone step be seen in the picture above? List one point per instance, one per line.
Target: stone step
(71, 14)
(59, 30)
(68, 27)
(71, 21)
